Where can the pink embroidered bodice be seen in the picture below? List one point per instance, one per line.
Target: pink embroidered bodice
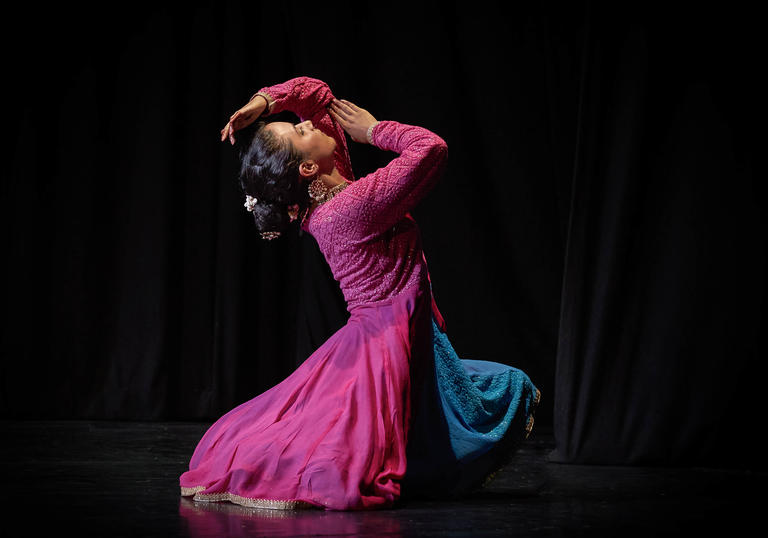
(366, 233)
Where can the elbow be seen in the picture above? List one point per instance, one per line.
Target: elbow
(437, 155)
(438, 148)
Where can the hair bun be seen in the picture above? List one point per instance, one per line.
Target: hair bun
(269, 170)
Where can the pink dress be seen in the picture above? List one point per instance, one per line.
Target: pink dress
(334, 433)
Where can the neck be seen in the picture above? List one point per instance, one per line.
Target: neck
(333, 178)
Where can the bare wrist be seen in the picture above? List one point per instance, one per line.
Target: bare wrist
(267, 101)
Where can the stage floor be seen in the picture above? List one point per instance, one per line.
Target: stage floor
(121, 479)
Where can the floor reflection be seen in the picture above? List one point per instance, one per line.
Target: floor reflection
(229, 519)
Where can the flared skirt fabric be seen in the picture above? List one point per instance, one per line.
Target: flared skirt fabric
(469, 419)
(383, 409)
(331, 435)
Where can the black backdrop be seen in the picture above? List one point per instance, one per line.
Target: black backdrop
(599, 225)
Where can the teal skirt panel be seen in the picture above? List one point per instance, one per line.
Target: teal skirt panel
(467, 421)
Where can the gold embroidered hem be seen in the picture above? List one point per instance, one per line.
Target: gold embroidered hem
(529, 425)
(235, 509)
(275, 504)
(186, 492)
(528, 428)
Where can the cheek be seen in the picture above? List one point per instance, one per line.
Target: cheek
(325, 144)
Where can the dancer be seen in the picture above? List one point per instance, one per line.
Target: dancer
(384, 408)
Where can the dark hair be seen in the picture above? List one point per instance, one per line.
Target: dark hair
(269, 171)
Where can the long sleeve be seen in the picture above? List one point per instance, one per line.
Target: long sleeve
(382, 198)
(309, 99)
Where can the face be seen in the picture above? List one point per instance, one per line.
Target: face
(316, 146)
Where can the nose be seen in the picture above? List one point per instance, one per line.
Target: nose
(307, 124)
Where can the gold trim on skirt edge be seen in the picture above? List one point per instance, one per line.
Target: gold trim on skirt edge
(529, 425)
(528, 428)
(250, 502)
(299, 505)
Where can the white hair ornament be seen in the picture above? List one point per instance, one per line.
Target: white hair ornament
(293, 213)
(250, 202)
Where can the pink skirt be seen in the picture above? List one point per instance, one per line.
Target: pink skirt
(333, 434)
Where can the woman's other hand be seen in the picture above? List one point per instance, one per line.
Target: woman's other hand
(244, 117)
(353, 119)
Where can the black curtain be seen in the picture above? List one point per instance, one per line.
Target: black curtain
(598, 225)
(663, 304)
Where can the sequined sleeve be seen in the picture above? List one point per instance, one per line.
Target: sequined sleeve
(377, 201)
(309, 99)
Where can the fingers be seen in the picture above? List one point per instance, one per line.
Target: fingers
(229, 129)
(344, 123)
(238, 120)
(351, 105)
(342, 108)
(351, 118)
(228, 132)
(335, 109)
(235, 119)
(337, 113)
(225, 132)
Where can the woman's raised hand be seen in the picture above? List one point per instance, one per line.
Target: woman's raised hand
(353, 119)
(243, 118)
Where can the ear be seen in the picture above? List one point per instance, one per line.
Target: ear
(308, 168)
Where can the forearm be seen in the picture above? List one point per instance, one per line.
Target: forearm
(414, 144)
(418, 167)
(387, 194)
(307, 97)
(267, 100)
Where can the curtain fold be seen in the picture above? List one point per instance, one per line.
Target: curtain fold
(664, 277)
